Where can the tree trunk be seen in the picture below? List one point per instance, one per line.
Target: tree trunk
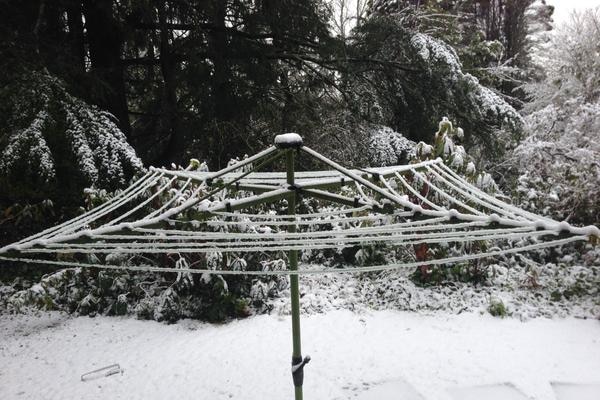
(217, 47)
(169, 91)
(75, 35)
(105, 39)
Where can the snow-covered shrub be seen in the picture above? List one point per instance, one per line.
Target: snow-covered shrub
(388, 147)
(54, 144)
(568, 286)
(207, 297)
(570, 62)
(497, 308)
(471, 273)
(370, 255)
(445, 144)
(65, 287)
(161, 297)
(558, 163)
(263, 290)
(556, 168)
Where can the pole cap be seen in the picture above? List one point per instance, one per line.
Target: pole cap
(288, 140)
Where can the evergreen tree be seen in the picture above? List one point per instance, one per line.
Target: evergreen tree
(417, 78)
(493, 38)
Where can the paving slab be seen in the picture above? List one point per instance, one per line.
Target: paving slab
(502, 391)
(576, 391)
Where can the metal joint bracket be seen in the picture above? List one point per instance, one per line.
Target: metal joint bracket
(298, 369)
(295, 188)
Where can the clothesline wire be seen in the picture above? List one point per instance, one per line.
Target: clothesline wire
(375, 268)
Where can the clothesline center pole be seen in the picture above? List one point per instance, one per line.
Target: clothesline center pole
(290, 143)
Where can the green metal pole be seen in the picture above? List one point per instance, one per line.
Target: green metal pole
(294, 291)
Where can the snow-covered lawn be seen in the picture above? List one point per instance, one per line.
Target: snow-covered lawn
(360, 356)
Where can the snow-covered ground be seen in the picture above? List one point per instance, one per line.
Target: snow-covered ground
(368, 355)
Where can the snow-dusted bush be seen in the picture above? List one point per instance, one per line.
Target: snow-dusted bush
(571, 63)
(388, 147)
(161, 297)
(54, 144)
(557, 166)
(558, 163)
(497, 308)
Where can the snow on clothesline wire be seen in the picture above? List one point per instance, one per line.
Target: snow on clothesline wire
(387, 267)
(285, 245)
(297, 217)
(417, 226)
(91, 213)
(422, 220)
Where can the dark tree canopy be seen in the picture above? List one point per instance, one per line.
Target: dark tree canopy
(216, 79)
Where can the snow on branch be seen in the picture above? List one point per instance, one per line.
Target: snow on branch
(53, 125)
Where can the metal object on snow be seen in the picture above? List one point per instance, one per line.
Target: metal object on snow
(109, 370)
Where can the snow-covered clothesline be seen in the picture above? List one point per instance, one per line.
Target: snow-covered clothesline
(360, 269)
(404, 221)
(275, 245)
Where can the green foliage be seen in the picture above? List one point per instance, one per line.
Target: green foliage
(445, 146)
(443, 275)
(497, 308)
(578, 288)
(370, 255)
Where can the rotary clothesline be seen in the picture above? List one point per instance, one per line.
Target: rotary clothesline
(423, 219)
(233, 235)
(154, 178)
